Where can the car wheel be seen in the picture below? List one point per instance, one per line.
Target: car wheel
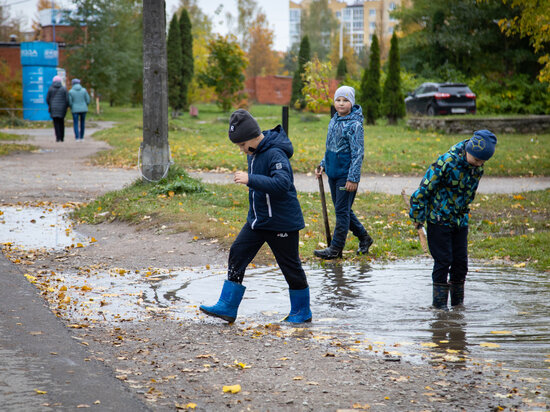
(431, 111)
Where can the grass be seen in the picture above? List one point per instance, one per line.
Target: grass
(505, 227)
(10, 148)
(512, 228)
(202, 143)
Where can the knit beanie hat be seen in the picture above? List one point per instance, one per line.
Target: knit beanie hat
(482, 144)
(56, 79)
(346, 92)
(243, 127)
(75, 81)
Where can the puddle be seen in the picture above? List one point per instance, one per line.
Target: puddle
(37, 228)
(384, 306)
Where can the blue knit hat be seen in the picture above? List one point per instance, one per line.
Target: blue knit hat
(75, 81)
(346, 92)
(482, 144)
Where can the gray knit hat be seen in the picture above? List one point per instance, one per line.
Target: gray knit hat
(243, 127)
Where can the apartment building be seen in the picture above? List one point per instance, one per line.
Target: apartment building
(359, 20)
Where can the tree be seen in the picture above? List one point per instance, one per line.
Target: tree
(532, 22)
(225, 70)
(297, 98)
(393, 104)
(318, 23)
(316, 85)
(109, 56)
(262, 60)
(8, 26)
(246, 19)
(175, 66)
(446, 36)
(188, 66)
(154, 150)
(370, 85)
(342, 70)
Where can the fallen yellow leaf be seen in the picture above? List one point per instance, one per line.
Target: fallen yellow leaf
(39, 392)
(429, 344)
(501, 332)
(489, 345)
(232, 388)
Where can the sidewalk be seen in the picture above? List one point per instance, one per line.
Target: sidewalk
(43, 367)
(395, 184)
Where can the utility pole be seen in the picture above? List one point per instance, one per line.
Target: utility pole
(154, 150)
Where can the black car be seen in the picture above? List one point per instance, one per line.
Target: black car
(441, 98)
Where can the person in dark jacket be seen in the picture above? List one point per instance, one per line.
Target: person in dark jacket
(274, 216)
(57, 99)
(79, 99)
(342, 164)
(442, 200)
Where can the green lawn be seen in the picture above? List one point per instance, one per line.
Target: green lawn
(202, 143)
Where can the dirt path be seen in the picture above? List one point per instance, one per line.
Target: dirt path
(184, 364)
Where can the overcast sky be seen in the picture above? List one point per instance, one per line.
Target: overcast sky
(275, 10)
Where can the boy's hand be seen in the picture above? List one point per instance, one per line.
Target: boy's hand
(241, 177)
(351, 186)
(319, 172)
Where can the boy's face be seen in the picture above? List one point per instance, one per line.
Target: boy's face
(248, 147)
(342, 106)
(474, 161)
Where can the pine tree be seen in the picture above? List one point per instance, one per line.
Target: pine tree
(297, 98)
(370, 85)
(342, 70)
(188, 65)
(393, 104)
(174, 63)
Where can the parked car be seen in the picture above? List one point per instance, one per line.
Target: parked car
(441, 98)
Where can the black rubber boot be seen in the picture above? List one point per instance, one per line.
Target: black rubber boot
(440, 295)
(457, 293)
(364, 244)
(329, 253)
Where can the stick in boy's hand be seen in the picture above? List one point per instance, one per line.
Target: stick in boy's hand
(319, 174)
(419, 228)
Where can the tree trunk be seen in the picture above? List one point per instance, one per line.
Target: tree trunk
(155, 152)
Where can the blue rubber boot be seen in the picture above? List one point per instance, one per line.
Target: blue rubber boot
(440, 295)
(299, 306)
(228, 304)
(457, 293)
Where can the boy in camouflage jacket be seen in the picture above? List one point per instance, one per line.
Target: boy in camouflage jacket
(443, 202)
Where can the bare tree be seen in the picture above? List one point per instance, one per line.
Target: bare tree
(155, 151)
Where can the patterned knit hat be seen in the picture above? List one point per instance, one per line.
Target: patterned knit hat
(482, 144)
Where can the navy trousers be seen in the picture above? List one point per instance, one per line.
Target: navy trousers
(284, 246)
(449, 248)
(345, 218)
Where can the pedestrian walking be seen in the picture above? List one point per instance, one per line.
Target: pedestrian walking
(58, 101)
(274, 216)
(342, 164)
(442, 201)
(79, 99)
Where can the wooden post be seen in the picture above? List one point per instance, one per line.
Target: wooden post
(154, 150)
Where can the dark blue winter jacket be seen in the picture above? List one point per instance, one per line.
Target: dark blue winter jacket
(273, 201)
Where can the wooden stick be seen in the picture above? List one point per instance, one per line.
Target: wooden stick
(324, 208)
(421, 231)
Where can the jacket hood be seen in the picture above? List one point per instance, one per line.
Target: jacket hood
(56, 84)
(458, 151)
(276, 137)
(355, 114)
(77, 87)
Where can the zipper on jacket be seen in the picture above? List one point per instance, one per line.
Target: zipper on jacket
(268, 205)
(253, 203)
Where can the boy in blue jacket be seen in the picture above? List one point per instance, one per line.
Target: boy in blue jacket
(342, 164)
(443, 200)
(274, 216)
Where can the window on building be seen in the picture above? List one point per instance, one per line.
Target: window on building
(294, 15)
(358, 25)
(338, 14)
(372, 26)
(347, 12)
(390, 30)
(357, 13)
(392, 6)
(372, 12)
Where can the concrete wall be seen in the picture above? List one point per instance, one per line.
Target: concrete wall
(465, 125)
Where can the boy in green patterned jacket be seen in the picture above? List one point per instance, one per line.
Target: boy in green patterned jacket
(442, 201)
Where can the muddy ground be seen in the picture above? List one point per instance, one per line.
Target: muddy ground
(175, 364)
